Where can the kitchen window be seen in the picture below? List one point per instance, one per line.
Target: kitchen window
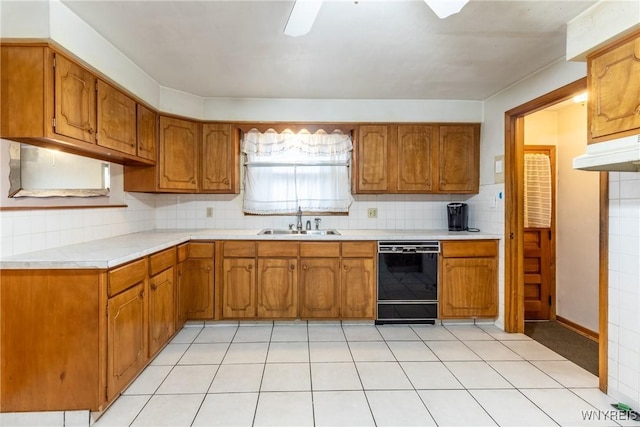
(287, 170)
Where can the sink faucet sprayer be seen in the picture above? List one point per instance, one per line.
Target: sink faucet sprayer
(317, 221)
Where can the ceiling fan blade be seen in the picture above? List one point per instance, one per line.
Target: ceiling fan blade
(445, 8)
(302, 16)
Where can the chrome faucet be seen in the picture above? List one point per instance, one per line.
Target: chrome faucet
(299, 219)
(317, 221)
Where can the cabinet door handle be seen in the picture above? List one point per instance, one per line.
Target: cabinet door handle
(305, 267)
(141, 294)
(292, 267)
(208, 268)
(154, 287)
(90, 131)
(249, 267)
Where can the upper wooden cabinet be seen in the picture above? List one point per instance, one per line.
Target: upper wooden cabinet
(417, 158)
(116, 119)
(614, 90)
(372, 156)
(147, 132)
(459, 159)
(414, 165)
(50, 100)
(219, 159)
(192, 158)
(178, 154)
(74, 100)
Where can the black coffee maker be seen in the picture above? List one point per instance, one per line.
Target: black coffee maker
(458, 215)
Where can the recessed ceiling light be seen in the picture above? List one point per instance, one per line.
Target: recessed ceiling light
(302, 15)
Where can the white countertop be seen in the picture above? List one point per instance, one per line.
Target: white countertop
(113, 251)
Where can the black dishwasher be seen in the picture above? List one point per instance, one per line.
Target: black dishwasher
(407, 282)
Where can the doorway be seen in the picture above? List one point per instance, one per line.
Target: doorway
(514, 221)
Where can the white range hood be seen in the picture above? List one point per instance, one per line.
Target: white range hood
(618, 155)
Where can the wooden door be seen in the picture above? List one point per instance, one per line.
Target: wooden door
(162, 309)
(615, 88)
(539, 255)
(75, 100)
(219, 159)
(178, 162)
(372, 151)
(126, 338)
(459, 159)
(238, 288)
(320, 287)
(195, 288)
(468, 287)
(277, 288)
(415, 159)
(357, 279)
(147, 132)
(116, 120)
(537, 273)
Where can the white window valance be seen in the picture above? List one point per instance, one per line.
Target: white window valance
(284, 171)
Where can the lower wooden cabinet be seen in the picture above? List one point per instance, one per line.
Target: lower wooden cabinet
(277, 287)
(162, 309)
(126, 338)
(309, 280)
(195, 281)
(319, 288)
(469, 279)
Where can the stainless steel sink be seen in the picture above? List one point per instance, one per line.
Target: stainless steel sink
(299, 232)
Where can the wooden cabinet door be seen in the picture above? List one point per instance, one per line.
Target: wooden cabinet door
(459, 159)
(320, 287)
(372, 151)
(615, 88)
(358, 288)
(219, 159)
(147, 132)
(195, 288)
(179, 151)
(239, 288)
(414, 169)
(126, 338)
(277, 281)
(162, 309)
(116, 120)
(468, 287)
(75, 100)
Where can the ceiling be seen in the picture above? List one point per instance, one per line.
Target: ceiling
(369, 49)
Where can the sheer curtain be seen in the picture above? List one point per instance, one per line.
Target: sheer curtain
(286, 170)
(537, 190)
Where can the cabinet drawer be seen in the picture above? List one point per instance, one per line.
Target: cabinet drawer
(201, 250)
(320, 250)
(183, 252)
(278, 249)
(239, 249)
(161, 261)
(358, 249)
(124, 277)
(470, 249)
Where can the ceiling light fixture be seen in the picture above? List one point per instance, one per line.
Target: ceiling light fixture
(302, 15)
(445, 8)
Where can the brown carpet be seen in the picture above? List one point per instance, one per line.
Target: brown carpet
(575, 347)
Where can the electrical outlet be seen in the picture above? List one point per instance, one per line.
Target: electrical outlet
(372, 212)
(209, 212)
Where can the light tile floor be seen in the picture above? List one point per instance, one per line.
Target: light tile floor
(330, 374)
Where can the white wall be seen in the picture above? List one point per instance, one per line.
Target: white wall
(578, 226)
